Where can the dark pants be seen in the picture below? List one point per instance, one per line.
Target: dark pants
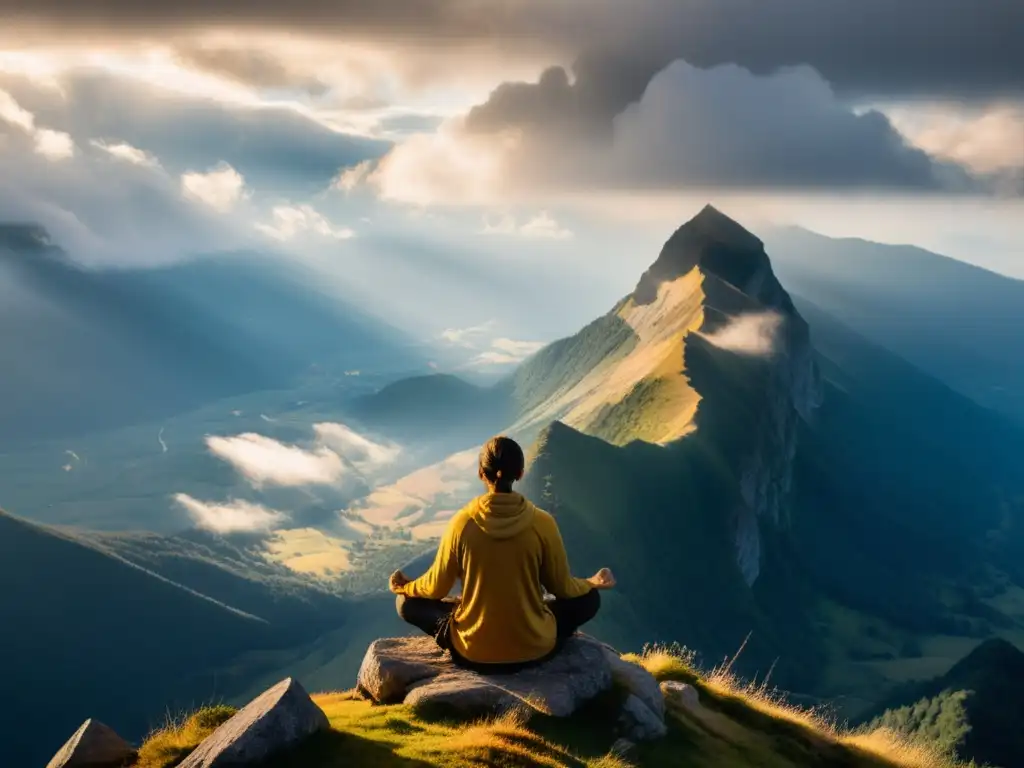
(434, 617)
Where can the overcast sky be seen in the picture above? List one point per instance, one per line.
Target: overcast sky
(557, 140)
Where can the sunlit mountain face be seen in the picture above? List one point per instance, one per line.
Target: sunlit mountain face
(271, 272)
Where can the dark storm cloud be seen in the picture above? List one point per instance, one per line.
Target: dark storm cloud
(962, 47)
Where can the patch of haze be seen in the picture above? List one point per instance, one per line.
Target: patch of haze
(264, 461)
(752, 334)
(235, 516)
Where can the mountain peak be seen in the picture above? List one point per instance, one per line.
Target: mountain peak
(712, 241)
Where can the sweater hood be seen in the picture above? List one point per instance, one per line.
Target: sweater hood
(502, 515)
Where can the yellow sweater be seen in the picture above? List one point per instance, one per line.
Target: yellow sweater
(505, 550)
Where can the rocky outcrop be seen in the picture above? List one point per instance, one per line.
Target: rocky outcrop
(278, 719)
(415, 671)
(681, 696)
(94, 745)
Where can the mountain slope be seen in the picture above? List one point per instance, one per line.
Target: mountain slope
(111, 637)
(87, 349)
(976, 708)
(961, 323)
(806, 475)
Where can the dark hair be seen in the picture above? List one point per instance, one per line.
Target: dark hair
(502, 462)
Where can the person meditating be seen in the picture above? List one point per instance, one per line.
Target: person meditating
(506, 552)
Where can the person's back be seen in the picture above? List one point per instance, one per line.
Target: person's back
(506, 552)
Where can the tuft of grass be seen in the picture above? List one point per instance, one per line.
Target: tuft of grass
(178, 737)
(667, 662)
(901, 749)
(722, 689)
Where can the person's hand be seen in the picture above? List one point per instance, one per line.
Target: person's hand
(603, 579)
(397, 581)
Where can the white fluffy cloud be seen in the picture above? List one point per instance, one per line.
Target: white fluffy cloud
(506, 352)
(752, 334)
(236, 516)
(541, 226)
(292, 220)
(51, 144)
(467, 337)
(365, 454)
(219, 188)
(265, 461)
(126, 152)
(13, 113)
(54, 145)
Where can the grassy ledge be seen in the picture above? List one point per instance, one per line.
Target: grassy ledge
(738, 725)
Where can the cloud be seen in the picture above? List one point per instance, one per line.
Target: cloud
(99, 212)
(751, 334)
(541, 226)
(191, 121)
(720, 128)
(54, 145)
(506, 352)
(127, 153)
(351, 178)
(291, 220)
(250, 65)
(365, 454)
(264, 461)
(869, 46)
(220, 187)
(467, 337)
(236, 516)
(987, 139)
(12, 112)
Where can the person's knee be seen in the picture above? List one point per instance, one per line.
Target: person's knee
(591, 604)
(400, 605)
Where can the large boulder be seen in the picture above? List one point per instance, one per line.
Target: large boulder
(277, 719)
(415, 671)
(94, 745)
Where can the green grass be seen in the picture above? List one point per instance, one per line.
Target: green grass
(738, 725)
(172, 743)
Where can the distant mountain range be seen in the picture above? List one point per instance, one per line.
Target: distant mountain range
(762, 470)
(90, 349)
(960, 323)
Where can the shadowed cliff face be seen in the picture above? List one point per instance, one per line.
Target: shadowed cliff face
(716, 354)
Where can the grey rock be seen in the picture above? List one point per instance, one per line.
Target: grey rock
(277, 719)
(94, 745)
(681, 695)
(637, 681)
(415, 671)
(639, 723)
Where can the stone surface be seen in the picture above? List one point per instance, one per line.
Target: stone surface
(622, 748)
(681, 695)
(94, 745)
(415, 671)
(638, 681)
(638, 722)
(279, 718)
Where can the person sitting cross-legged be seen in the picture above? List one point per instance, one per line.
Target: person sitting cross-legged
(506, 552)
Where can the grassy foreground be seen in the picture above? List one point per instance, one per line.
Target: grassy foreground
(738, 726)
